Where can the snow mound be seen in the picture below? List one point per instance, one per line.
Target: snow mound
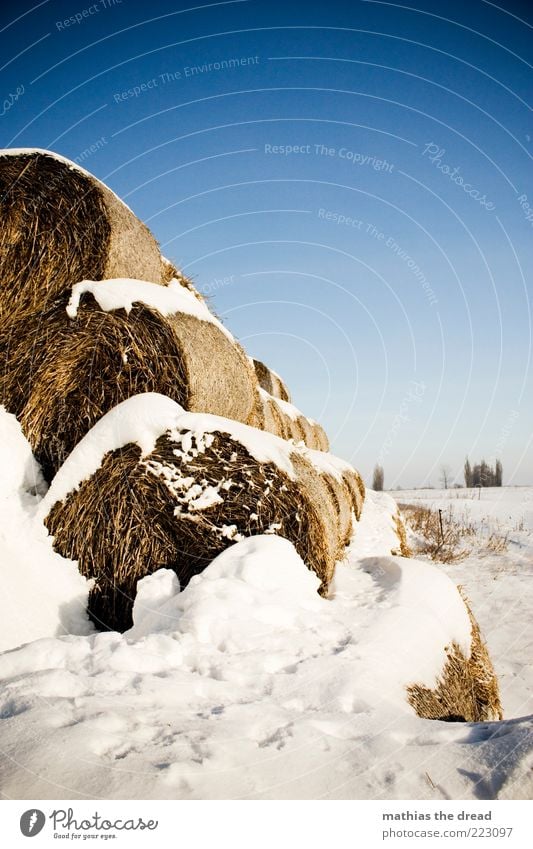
(259, 583)
(248, 683)
(142, 420)
(43, 595)
(376, 531)
(20, 471)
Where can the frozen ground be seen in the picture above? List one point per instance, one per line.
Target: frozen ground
(248, 684)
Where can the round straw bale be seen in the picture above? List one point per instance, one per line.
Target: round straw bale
(270, 381)
(321, 438)
(343, 503)
(467, 689)
(195, 492)
(356, 487)
(285, 420)
(268, 417)
(346, 485)
(59, 374)
(59, 225)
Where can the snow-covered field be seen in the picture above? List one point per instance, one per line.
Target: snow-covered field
(247, 684)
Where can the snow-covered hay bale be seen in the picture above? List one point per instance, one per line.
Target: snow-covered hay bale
(356, 487)
(343, 503)
(285, 420)
(467, 689)
(152, 487)
(320, 437)
(345, 485)
(59, 225)
(299, 427)
(63, 368)
(268, 416)
(270, 381)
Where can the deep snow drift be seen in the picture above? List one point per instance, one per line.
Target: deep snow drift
(246, 684)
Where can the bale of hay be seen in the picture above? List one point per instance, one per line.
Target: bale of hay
(356, 487)
(467, 689)
(346, 486)
(152, 487)
(343, 504)
(59, 225)
(320, 438)
(302, 428)
(270, 381)
(64, 367)
(285, 420)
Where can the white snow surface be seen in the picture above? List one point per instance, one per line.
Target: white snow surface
(123, 293)
(142, 419)
(247, 684)
(42, 594)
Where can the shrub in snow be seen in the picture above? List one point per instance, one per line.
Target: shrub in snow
(74, 361)
(61, 225)
(125, 505)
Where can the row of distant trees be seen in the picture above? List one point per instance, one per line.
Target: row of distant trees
(482, 474)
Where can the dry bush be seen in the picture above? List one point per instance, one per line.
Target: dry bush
(404, 550)
(454, 542)
(445, 544)
(497, 544)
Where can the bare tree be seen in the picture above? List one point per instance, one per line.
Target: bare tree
(445, 473)
(378, 478)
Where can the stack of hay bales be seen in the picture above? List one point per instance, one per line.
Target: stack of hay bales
(93, 316)
(147, 414)
(152, 486)
(278, 415)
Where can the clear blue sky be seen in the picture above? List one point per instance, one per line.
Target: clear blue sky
(394, 300)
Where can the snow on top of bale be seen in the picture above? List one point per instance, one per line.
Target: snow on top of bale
(123, 293)
(290, 410)
(141, 420)
(327, 463)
